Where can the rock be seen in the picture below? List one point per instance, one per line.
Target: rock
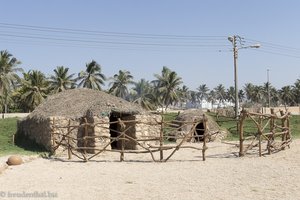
(14, 160)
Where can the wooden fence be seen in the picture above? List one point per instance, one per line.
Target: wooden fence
(68, 142)
(272, 129)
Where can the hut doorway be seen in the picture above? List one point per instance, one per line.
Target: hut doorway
(86, 130)
(199, 132)
(115, 130)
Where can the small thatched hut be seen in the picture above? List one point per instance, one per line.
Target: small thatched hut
(77, 106)
(214, 132)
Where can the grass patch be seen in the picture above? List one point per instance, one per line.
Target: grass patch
(230, 124)
(226, 123)
(8, 127)
(170, 116)
(295, 126)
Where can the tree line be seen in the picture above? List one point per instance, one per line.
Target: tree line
(25, 93)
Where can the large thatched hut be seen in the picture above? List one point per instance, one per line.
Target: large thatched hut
(78, 106)
(214, 132)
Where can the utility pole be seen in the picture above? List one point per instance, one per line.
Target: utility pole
(268, 88)
(235, 56)
(233, 40)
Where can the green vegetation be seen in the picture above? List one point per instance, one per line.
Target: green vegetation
(230, 124)
(8, 127)
(165, 90)
(295, 126)
(169, 116)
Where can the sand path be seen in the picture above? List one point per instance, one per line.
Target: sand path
(185, 176)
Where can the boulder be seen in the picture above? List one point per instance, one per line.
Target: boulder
(14, 160)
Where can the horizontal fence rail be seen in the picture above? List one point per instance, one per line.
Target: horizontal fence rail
(63, 138)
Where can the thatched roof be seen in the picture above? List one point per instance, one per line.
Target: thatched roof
(191, 115)
(76, 103)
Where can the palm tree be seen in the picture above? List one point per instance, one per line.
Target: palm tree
(241, 95)
(202, 93)
(8, 77)
(61, 81)
(249, 87)
(167, 85)
(212, 97)
(120, 82)
(274, 96)
(230, 94)
(92, 77)
(183, 94)
(257, 95)
(144, 94)
(220, 93)
(296, 91)
(34, 89)
(193, 98)
(287, 95)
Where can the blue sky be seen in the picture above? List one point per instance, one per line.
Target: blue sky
(272, 22)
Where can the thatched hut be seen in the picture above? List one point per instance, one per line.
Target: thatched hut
(214, 132)
(77, 106)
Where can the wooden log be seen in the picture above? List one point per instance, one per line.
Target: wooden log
(123, 139)
(204, 136)
(270, 137)
(275, 134)
(85, 135)
(288, 135)
(53, 137)
(249, 137)
(259, 137)
(241, 132)
(174, 146)
(145, 140)
(250, 146)
(69, 141)
(161, 139)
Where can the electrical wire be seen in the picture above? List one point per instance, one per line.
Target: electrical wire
(68, 37)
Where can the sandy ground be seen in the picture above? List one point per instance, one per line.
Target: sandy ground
(185, 176)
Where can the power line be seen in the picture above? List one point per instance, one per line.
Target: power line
(124, 40)
(276, 46)
(69, 37)
(81, 31)
(110, 42)
(281, 54)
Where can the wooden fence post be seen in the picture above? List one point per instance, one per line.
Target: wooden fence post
(288, 137)
(204, 137)
(272, 129)
(122, 127)
(161, 138)
(241, 132)
(259, 135)
(69, 140)
(52, 135)
(84, 138)
(283, 125)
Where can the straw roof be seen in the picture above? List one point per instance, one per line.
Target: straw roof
(76, 103)
(191, 115)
